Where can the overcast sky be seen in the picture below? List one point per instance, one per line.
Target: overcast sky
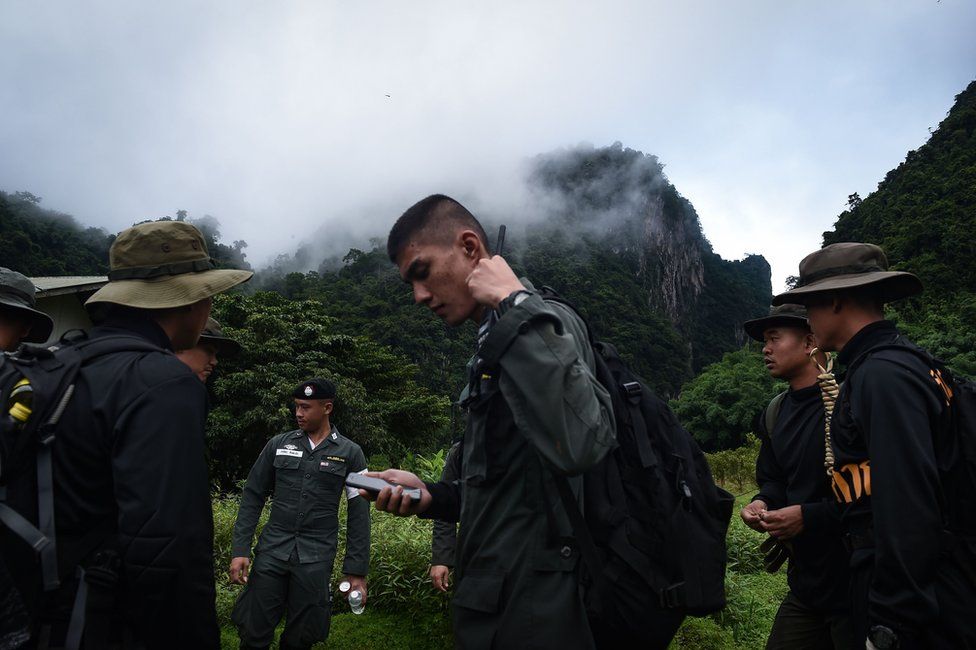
(281, 117)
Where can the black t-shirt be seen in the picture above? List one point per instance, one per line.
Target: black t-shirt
(790, 471)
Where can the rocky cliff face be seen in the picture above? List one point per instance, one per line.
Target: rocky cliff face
(622, 198)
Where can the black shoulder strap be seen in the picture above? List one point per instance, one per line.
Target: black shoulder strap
(551, 295)
(918, 352)
(771, 415)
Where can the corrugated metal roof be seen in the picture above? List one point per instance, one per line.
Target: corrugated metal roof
(57, 285)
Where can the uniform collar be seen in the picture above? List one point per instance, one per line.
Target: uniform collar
(332, 438)
(877, 333)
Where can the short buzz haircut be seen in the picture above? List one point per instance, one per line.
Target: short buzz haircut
(433, 215)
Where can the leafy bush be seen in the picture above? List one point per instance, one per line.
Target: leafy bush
(719, 405)
(735, 469)
(428, 468)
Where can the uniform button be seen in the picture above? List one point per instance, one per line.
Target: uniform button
(565, 551)
(302, 514)
(304, 495)
(308, 476)
(524, 327)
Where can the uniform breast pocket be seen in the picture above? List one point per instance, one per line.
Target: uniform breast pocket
(331, 471)
(287, 471)
(287, 462)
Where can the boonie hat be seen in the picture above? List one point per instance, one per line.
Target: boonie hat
(788, 314)
(213, 335)
(163, 264)
(17, 293)
(315, 389)
(849, 265)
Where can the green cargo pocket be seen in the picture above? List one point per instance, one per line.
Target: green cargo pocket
(480, 593)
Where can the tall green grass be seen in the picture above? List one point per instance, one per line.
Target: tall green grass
(404, 611)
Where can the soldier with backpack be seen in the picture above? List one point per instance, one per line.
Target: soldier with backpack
(20, 321)
(902, 438)
(547, 558)
(795, 505)
(111, 536)
(535, 408)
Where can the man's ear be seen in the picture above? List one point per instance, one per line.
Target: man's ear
(327, 407)
(809, 342)
(837, 303)
(472, 244)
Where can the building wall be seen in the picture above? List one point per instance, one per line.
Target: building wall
(67, 312)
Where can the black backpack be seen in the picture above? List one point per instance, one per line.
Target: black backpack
(653, 536)
(959, 481)
(36, 385)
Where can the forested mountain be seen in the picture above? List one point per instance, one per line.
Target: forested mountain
(37, 242)
(607, 231)
(924, 215)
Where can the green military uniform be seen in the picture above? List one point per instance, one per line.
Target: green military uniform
(535, 407)
(294, 556)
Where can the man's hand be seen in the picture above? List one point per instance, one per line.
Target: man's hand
(393, 500)
(493, 280)
(238, 570)
(356, 583)
(751, 515)
(785, 523)
(440, 575)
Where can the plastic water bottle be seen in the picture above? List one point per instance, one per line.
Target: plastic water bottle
(355, 598)
(356, 603)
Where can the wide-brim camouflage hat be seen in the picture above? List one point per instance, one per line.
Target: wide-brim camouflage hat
(163, 264)
(788, 314)
(17, 293)
(214, 335)
(849, 265)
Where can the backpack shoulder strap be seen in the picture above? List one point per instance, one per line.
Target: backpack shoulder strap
(771, 414)
(551, 295)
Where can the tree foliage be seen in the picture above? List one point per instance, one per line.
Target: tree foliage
(38, 242)
(380, 405)
(719, 406)
(924, 215)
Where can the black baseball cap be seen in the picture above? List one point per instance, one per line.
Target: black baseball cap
(315, 389)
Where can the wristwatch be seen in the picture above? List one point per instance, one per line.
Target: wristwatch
(882, 638)
(513, 300)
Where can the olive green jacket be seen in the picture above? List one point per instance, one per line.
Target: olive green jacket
(307, 485)
(535, 408)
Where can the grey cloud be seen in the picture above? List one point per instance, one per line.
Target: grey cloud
(274, 117)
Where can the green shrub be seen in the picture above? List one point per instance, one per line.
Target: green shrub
(428, 468)
(735, 469)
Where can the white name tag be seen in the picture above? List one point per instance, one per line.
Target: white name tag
(297, 453)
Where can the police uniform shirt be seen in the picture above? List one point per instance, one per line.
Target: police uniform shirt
(307, 485)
